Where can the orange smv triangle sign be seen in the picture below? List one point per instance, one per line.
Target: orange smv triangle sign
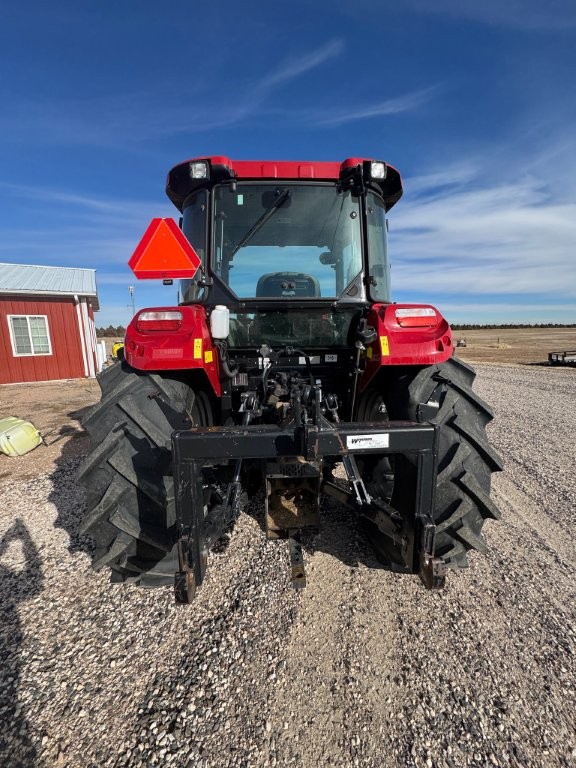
(164, 252)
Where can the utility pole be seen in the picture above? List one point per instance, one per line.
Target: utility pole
(131, 292)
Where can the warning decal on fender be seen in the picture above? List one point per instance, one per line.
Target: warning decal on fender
(368, 441)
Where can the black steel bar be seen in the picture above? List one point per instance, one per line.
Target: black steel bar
(262, 441)
(426, 485)
(416, 442)
(190, 515)
(424, 505)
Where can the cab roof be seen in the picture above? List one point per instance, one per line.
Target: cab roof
(180, 183)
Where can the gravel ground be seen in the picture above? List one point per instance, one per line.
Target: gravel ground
(362, 668)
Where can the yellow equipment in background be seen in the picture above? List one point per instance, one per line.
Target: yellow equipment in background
(17, 436)
(118, 350)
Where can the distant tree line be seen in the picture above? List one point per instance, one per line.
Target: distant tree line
(507, 326)
(118, 330)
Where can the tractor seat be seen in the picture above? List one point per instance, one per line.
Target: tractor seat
(288, 284)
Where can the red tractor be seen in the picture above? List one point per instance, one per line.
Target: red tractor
(284, 359)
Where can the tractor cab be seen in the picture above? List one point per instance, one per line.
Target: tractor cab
(295, 248)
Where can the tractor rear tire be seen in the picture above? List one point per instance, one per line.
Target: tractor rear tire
(128, 474)
(440, 394)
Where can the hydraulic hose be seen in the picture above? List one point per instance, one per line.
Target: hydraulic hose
(228, 371)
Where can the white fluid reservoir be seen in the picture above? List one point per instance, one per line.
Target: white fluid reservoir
(220, 322)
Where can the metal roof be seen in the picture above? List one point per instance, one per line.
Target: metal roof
(28, 279)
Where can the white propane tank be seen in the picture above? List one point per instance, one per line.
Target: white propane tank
(220, 322)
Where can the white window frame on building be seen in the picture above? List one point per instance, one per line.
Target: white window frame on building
(40, 343)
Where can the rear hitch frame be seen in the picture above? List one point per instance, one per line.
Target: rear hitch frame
(199, 447)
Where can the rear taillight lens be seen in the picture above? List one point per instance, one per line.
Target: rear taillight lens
(416, 317)
(159, 321)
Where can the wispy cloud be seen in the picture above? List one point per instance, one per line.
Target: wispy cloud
(298, 65)
(73, 226)
(493, 311)
(64, 246)
(72, 200)
(522, 14)
(524, 308)
(479, 235)
(327, 115)
(394, 106)
(129, 120)
(434, 184)
(123, 120)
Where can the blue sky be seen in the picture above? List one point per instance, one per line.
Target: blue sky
(474, 103)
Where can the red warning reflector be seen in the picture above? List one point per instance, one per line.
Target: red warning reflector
(163, 253)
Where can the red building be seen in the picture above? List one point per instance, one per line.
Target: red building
(47, 327)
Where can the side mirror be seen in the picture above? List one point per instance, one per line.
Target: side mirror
(366, 335)
(327, 258)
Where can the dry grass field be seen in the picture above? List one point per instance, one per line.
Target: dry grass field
(516, 345)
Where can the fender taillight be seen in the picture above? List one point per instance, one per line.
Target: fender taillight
(416, 317)
(159, 321)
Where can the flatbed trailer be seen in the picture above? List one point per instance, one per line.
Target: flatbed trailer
(562, 358)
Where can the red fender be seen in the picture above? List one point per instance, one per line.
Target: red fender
(157, 344)
(407, 334)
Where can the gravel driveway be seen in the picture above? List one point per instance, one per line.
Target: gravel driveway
(362, 668)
